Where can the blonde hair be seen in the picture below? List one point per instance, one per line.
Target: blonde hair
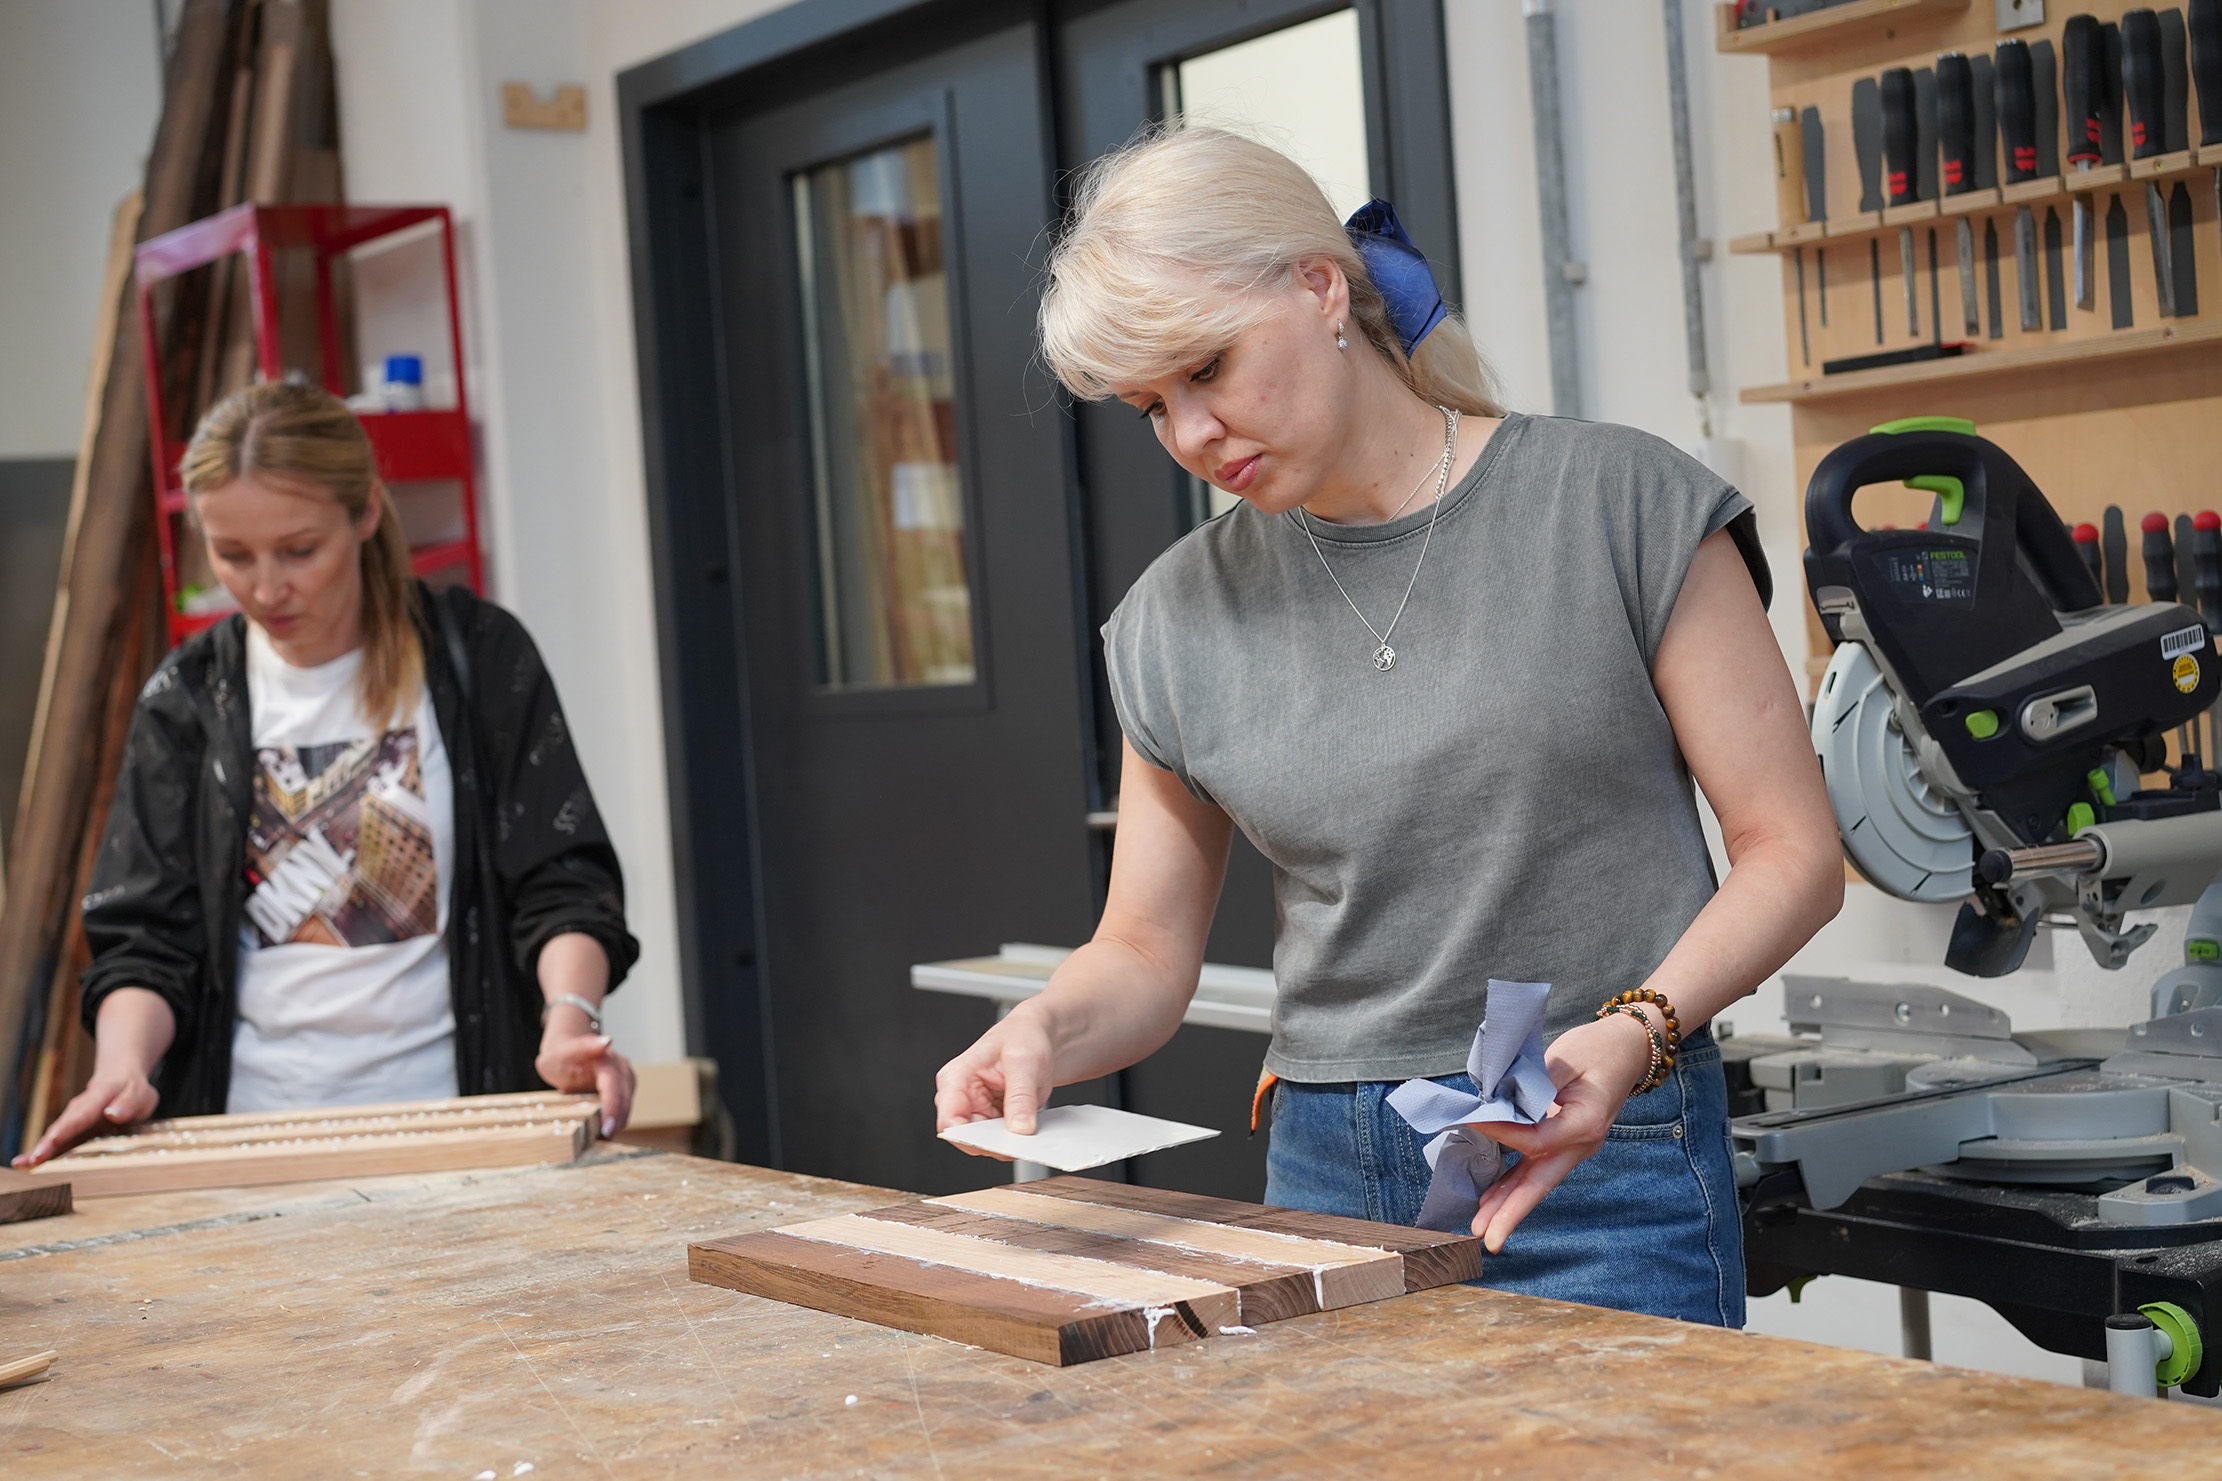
(302, 434)
(1168, 252)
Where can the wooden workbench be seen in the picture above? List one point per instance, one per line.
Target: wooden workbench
(462, 1324)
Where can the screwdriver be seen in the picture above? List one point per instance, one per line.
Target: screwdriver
(2017, 129)
(2115, 543)
(2160, 586)
(2146, 89)
(2206, 569)
(2082, 85)
(1901, 175)
(1956, 138)
(2087, 546)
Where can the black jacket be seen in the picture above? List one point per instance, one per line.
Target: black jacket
(531, 858)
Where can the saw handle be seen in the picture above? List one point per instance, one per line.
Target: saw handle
(2038, 535)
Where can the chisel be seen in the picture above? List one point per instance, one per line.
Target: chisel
(2175, 106)
(1990, 279)
(1986, 121)
(2044, 76)
(2182, 251)
(1925, 134)
(2146, 89)
(1956, 143)
(2082, 54)
(2087, 546)
(2017, 130)
(1814, 142)
(2056, 287)
(2114, 542)
(2160, 586)
(2205, 19)
(1901, 172)
(2110, 95)
(1867, 152)
(2117, 263)
(1805, 340)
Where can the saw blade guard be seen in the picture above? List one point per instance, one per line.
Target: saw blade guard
(1898, 829)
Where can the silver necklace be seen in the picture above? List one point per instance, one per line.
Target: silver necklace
(1409, 497)
(1384, 656)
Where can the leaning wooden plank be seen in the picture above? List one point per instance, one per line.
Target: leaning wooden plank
(250, 1133)
(1265, 1292)
(180, 179)
(310, 1158)
(1007, 1316)
(520, 1100)
(1430, 1258)
(1340, 1274)
(23, 1196)
(1193, 1308)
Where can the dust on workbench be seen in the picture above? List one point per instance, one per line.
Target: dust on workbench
(464, 1323)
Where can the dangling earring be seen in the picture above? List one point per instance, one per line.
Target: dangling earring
(1340, 342)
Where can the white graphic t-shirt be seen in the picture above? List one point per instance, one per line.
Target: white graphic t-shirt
(343, 976)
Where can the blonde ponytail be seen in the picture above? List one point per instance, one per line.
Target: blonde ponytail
(1167, 248)
(303, 434)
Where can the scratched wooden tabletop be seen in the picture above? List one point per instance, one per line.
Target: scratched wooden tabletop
(470, 1325)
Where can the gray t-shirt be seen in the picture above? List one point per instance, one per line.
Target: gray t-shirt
(1507, 801)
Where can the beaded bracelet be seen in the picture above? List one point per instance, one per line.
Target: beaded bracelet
(1655, 1073)
(1663, 1051)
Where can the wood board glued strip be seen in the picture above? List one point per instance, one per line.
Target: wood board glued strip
(1264, 1292)
(153, 1138)
(1004, 1268)
(1340, 1274)
(307, 1158)
(1036, 1322)
(24, 1196)
(508, 1101)
(1430, 1258)
(1210, 1303)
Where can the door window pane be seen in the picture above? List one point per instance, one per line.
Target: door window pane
(1300, 89)
(894, 598)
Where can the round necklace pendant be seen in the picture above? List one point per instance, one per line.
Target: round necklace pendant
(1384, 658)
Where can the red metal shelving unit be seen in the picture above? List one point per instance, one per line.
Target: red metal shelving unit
(408, 445)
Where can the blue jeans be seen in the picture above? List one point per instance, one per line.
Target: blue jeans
(1649, 1223)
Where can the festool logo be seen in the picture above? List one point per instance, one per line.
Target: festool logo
(2196, 950)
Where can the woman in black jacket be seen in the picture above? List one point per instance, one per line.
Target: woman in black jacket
(352, 856)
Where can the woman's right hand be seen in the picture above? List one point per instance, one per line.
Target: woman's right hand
(117, 1098)
(1006, 1072)
(131, 1034)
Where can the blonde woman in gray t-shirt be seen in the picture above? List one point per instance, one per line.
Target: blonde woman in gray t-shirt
(1452, 670)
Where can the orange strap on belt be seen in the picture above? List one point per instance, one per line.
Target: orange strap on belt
(1266, 1081)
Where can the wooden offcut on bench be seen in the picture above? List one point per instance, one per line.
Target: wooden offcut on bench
(1069, 1269)
(337, 1142)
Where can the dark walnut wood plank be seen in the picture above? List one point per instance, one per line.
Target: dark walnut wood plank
(1006, 1316)
(25, 1197)
(1430, 1258)
(1269, 1293)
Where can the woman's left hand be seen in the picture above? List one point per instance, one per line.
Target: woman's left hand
(586, 1061)
(1595, 1066)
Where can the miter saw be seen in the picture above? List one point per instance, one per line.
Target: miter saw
(1983, 727)
(1986, 717)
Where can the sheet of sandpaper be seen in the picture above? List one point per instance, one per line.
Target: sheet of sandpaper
(1074, 1138)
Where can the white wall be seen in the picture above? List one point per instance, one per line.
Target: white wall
(80, 89)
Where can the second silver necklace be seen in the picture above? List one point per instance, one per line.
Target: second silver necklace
(1384, 656)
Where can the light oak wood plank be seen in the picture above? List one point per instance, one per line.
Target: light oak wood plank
(1430, 1258)
(1266, 1292)
(1211, 1304)
(1342, 1274)
(308, 1158)
(23, 1197)
(250, 1132)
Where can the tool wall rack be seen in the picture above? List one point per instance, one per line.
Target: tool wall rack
(428, 444)
(2096, 414)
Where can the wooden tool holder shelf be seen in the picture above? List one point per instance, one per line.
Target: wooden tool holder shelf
(2096, 415)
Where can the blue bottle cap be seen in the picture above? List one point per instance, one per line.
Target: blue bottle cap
(404, 370)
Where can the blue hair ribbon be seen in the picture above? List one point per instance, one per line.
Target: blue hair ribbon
(1399, 270)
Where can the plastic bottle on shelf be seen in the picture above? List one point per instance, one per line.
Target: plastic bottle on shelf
(402, 386)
